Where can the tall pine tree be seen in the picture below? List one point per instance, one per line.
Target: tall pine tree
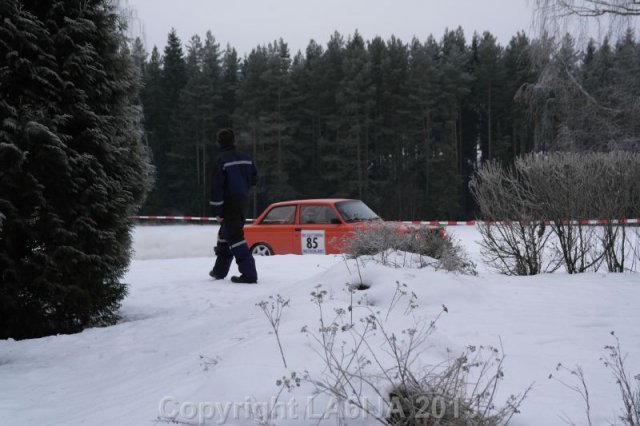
(164, 128)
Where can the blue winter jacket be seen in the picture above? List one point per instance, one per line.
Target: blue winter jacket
(235, 174)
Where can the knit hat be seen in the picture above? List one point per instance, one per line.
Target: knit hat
(226, 137)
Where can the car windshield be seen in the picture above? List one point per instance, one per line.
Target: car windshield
(356, 211)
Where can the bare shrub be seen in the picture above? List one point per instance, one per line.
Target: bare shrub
(629, 386)
(273, 309)
(264, 414)
(634, 246)
(579, 388)
(515, 248)
(433, 247)
(364, 358)
(448, 253)
(563, 189)
(444, 397)
(619, 179)
(376, 238)
(570, 187)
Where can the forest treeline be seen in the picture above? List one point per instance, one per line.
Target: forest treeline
(399, 125)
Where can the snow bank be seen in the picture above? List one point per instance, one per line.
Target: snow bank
(193, 347)
(174, 241)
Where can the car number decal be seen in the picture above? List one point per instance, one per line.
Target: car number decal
(312, 242)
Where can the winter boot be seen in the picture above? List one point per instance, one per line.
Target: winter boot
(246, 263)
(224, 257)
(212, 274)
(242, 279)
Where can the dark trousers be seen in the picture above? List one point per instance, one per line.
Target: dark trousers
(231, 242)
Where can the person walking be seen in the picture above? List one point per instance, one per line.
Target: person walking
(235, 174)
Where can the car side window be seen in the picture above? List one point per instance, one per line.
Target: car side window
(284, 215)
(317, 214)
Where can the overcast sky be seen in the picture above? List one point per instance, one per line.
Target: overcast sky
(244, 24)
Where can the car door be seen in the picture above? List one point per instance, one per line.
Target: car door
(276, 229)
(318, 229)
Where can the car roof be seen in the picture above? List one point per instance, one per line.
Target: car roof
(313, 201)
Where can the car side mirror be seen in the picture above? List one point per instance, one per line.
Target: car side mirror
(335, 221)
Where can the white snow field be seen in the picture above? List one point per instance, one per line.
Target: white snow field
(191, 350)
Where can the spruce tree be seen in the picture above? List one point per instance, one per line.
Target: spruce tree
(306, 77)
(626, 87)
(396, 107)
(519, 71)
(165, 127)
(489, 80)
(347, 163)
(250, 98)
(422, 107)
(278, 144)
(380, 167)
(330, 74)
(454, 81)
(185, 157)
(229, 86)
(72, 170)
(264, 120)
(153, 104)
(139, 55)
(214, 114)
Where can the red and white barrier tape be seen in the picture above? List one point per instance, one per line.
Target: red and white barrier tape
(508, 222)
(187, 218)
(428, 222)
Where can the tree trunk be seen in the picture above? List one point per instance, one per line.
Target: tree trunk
(204, 180)
(197, 176)
(254, 143)
(489, 141)
(426, 129)
(358, 159)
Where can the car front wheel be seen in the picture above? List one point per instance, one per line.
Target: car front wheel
(261, 249)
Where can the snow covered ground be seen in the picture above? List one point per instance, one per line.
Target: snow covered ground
(190, 348)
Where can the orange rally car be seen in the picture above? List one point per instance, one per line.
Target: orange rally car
(307, 226)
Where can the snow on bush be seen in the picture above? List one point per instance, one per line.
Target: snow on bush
(397, 245)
